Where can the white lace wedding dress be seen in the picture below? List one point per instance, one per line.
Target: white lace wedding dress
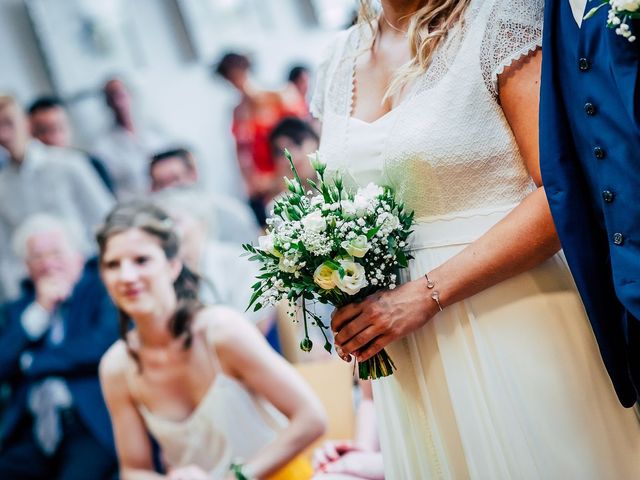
(507, 384)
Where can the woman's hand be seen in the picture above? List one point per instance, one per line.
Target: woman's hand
(189, 472)
(365, 328)
(353, 464)
(330, 452)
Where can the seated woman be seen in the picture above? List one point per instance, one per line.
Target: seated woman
(201, 380)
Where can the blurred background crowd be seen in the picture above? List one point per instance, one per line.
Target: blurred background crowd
(188, 103)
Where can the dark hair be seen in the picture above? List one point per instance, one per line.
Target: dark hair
(180, 152)
(45, 103)
(157, 223)
(296, 72)
(231, 61)
(294, 129)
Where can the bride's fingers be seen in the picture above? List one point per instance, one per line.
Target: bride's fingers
(343, 315)
(361, 340)
(372, 348)
(344, 356)
(350, 330)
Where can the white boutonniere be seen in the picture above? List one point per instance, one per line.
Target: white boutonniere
(620, 13)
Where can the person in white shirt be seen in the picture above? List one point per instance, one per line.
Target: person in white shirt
(129, 144)
(38, 179)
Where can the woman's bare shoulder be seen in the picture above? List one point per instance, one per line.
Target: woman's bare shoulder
(221, 324)
(114, 362)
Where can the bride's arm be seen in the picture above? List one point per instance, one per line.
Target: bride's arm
(523, 239)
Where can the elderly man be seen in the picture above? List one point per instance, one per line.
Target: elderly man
(56, 425)
(37, 179)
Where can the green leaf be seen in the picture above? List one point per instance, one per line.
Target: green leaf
(402, 259)
(372, 233)
(332, 265)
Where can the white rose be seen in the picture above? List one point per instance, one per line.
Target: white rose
(349, 208)
(323, 276)
(370, 192)
(357, 247)
(354, 278)
(314, 222)
(388, 221)
(362, 205)
(628, 5)
(266, 244)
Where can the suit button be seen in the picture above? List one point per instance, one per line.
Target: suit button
(599, 153)
(583, 64)
(618, 238)
(590, 108)
(608, 196)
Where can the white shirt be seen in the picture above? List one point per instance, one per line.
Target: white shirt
(127, 157)
(578, 7)
(49, 180)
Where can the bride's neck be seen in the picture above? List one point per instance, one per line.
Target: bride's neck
(398, 12)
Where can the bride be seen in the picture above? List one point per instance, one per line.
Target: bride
(498, 373)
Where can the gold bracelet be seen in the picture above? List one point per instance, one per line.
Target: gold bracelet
(435, 295)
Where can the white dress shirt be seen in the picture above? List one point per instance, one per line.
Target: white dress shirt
(578, 8)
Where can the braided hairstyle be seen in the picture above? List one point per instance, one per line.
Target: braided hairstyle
(157, 223)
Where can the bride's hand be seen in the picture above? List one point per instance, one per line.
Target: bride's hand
(365, 328)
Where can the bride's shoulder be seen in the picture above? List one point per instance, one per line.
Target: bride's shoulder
(521, 12)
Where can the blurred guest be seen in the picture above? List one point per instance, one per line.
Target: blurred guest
(39, 178)
(357, 460)
(228, 219)
(253, 119)
(127, 146)
(202, 381)
(173, 168)
(298, 81)
(300, 139)
(56, 425)
(50, 124)
(300, 78)
(226, 275)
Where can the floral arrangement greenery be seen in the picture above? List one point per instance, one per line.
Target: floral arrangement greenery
(334, 245)
(619, 16)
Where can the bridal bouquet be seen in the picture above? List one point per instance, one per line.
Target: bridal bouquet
(620, 13)
(337, 247)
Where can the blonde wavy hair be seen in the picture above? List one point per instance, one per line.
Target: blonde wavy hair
(428, 28)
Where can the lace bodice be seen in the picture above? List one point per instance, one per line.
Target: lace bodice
(447, 148)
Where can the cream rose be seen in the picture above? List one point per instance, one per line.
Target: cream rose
(354, 278)
(323, 276)
(357, 247)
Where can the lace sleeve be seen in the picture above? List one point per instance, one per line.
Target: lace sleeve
(323, 75)
(514, 30)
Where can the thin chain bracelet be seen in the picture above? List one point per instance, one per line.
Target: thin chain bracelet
(435, 294)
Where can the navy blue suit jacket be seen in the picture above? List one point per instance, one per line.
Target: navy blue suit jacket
(91, 326)
(590, 160)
